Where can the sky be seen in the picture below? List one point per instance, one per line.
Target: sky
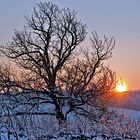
(118, 18)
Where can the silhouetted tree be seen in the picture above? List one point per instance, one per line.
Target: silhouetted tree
(56, 70)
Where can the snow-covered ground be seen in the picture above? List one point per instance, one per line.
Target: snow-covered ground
(125, 121)
(118, 125)
(130, 113)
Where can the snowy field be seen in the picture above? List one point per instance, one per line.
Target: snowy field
(130, 113)
(124, 125)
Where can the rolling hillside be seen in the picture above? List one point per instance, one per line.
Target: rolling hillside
(128, 100)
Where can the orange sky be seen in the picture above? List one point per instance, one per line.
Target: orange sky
(125, 62)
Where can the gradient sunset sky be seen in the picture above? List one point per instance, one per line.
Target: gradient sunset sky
(118, 18)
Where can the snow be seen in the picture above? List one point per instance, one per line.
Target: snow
(46, 127)
(130, 113)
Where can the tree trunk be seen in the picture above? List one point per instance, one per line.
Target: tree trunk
(59, 114)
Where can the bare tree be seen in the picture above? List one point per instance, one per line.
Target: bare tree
(45, 50)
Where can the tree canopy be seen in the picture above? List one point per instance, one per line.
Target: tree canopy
(55, 68)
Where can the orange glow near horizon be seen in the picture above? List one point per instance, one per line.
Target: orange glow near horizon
(121, 86)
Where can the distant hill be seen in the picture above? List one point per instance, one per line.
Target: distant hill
(128, 100)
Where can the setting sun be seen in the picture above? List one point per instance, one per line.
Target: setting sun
(121, 87)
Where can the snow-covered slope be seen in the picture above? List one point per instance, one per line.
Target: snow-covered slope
(119, 124)
(128, 100)
(134, 114)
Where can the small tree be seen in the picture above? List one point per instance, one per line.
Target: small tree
(45, 51)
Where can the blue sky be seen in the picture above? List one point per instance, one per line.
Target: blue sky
(118, 18)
